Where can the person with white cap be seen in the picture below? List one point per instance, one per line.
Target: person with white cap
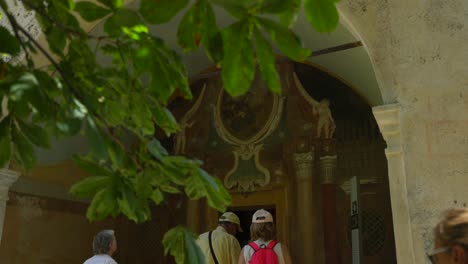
(220, 246)
(264, 248)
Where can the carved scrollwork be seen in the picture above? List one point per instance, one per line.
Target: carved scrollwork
(187, 122)
(245, 129)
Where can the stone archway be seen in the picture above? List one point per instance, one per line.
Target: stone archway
(387, 115)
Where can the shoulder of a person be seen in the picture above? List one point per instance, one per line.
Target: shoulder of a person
(203, 235)
(227, 236)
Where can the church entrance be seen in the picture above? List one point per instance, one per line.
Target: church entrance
(294, 153)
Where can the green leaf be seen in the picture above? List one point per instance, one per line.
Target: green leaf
(103, 204)
(24, 151)
(238, 61)
(192, 251)
(58, 9)
(23, 84)
(116, 112)
(143, 186)
(5, 141)
(36, 134)
(289, 16)
(157, 196)
(169, 189)
(180, 243)
(141, 114)
(68, 126)
(95, 138)
(107, 3)
(179, 168)
(238, 9)
(161, 11)
(91, 166)
(121, 18)
(117, 3)
(288, 42)
(156, 149)
(275, 6)
(267, 63)
(71, 4)
(174, 244)
(112, 4)
(167, 72)
(322, 14)
(10, 44)
(116, 154)
(188, 33)
(128, 204)
(198, 26)
(201, 184)
(57, 40)
(164, 118)
(90, 186)
(19, 109)
(91, 12)
(211, 37)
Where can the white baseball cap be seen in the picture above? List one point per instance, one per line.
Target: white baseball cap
(262, 216)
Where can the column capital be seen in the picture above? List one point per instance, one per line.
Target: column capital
(328, 167)
(389, 121)
(304, 157)
(303, 162)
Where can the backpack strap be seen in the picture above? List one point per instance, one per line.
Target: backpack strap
(211, 248)
(254, 246)
(272, 244)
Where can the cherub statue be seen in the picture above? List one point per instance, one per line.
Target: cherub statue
(325, 125)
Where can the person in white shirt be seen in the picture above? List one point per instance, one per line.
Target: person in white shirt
(263, 234)
(104, 246)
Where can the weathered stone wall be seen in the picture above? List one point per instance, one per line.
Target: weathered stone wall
(420, 56)
(47, 231)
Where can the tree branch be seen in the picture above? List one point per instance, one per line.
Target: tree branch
(14, 25)
(72, 89)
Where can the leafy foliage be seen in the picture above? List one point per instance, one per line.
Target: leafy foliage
(120, 105)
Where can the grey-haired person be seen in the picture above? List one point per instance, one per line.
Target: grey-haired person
(104, 246)
(451, 238)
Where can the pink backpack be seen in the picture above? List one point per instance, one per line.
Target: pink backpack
(264, 254)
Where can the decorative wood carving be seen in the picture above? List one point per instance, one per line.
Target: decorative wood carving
(244, 122)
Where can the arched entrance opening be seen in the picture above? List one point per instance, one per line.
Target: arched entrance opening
(295, 154)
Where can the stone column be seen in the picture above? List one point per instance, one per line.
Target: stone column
(7, 178)
(304, 165)
(388, 119)
(329, 210)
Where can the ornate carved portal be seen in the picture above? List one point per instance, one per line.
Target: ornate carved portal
(288, 151)
(245, 130)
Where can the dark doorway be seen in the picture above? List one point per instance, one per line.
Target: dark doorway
(245, 217)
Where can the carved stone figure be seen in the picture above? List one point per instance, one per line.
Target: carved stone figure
(325, 124)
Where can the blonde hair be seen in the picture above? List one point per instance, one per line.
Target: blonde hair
(453, 228)
(264, 231)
